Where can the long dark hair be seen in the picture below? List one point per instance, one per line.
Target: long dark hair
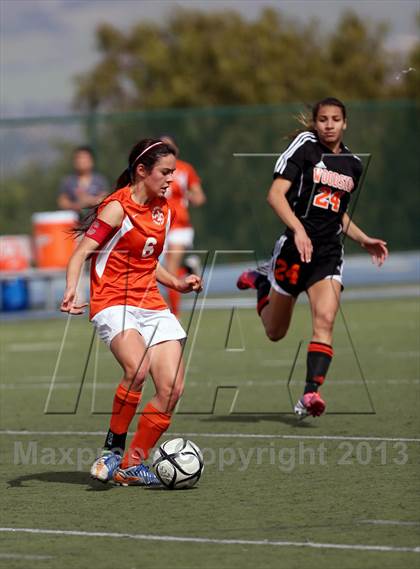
(307, 119)
(146, 152)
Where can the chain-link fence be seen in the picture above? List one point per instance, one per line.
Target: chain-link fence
(36, 154)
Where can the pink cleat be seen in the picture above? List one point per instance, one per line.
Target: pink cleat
(310, 404)
(247, 280)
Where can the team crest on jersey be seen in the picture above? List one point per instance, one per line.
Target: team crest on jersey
(158, 216)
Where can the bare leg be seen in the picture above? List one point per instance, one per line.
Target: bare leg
(277, 314)
(324, 297)
(168, 375)
(129, 348)
(167, 370)
(130, 351)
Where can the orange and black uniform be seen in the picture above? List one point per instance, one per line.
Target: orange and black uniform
(322, 184)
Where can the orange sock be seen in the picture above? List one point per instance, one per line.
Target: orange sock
(151, 426)
(123, 409)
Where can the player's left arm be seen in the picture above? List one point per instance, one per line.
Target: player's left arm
(375, 247)
(188, 284)
(196, 195)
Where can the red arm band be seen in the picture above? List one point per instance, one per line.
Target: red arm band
(99, 231)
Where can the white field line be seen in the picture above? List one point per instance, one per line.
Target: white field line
(18, 347)
(57, 362)
(28, 378)
(220, 436)
(26, 557)
(185, 539)
(389, 522)
(34, 346)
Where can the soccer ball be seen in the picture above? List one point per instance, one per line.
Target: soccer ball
(178, 463)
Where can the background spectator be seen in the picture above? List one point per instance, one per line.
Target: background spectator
(85, 187)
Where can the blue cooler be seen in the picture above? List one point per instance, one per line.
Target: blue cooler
(14, 295)
(15, 255)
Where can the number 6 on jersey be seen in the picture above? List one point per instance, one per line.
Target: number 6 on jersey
(149, 247)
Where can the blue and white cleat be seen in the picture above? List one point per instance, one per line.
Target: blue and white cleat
(104, 466)
(138, 475)
(300, 410)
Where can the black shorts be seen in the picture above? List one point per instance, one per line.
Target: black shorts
(289, 276)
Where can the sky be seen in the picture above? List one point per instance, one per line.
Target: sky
(45, 43)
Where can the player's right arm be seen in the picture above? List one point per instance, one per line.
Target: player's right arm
(111, 215)
(278, 201)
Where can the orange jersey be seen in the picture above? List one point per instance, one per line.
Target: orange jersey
(123, 271)
(184, 177)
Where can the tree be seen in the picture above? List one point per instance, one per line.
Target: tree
(205, 60)
(356, 58)
(411, 75)
(218, 58)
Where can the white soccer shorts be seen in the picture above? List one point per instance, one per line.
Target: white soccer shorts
(181, 236)
(154, 325)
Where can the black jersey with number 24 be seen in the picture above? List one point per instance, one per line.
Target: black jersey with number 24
(322, 183)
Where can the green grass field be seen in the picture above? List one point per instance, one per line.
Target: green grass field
(338, 491)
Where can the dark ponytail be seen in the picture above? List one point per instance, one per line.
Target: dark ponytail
(124, 179)
(146, 152)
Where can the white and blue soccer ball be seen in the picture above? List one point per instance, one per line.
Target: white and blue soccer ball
(178, 463)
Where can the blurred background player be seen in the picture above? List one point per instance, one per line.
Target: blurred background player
(313, 181)
(185, 189)
(84, 188)
(124, 236)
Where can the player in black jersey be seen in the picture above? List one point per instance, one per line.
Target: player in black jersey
(313, 182)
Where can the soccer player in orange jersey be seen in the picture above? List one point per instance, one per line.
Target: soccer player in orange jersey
(124, 237)
(185, 189)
